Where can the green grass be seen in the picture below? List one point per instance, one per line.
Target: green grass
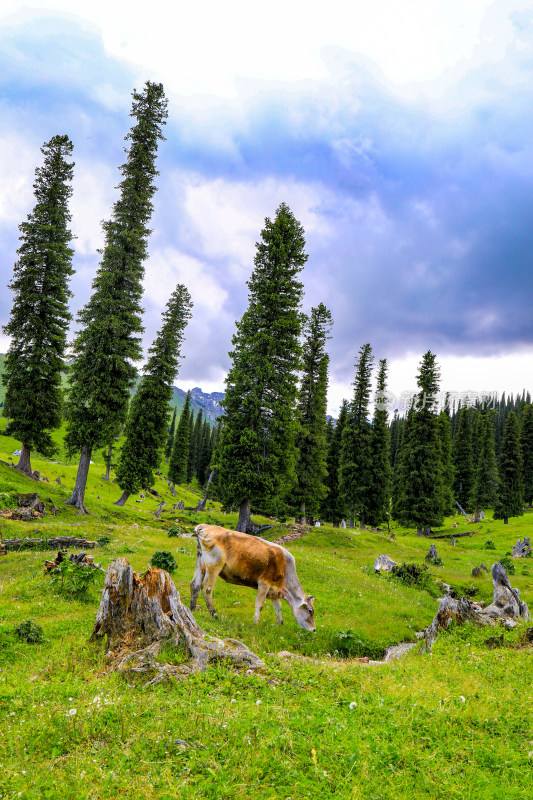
(321, 727)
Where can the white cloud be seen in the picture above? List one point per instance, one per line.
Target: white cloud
(228, 216)
(209, 47)
(91, 202)
(18, 160)
(168, 267)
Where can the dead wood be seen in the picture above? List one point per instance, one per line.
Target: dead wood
(295, 532)
(76, 558)
(140, 613)
(55, 542)
(451, 610)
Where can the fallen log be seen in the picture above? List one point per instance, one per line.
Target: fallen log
(54, 543)
(451, 535)
(76, 558)
(140, 613)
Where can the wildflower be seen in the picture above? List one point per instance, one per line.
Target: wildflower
(353, 705)
(462, 699)
(258, 702)
(72, 712)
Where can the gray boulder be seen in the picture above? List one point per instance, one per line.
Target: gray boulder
(384, 564)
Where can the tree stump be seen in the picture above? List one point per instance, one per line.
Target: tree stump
(141, 613)
(522, 549)
(432, 553)
(461, 610)
(506, 603)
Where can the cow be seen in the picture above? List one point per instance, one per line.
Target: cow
(249, 561)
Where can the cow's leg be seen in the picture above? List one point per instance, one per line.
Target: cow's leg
(262, 591)
(211, 574)
(277, 608)
(197, 578)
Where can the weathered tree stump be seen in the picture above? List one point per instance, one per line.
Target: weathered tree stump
(478, 571)
(432, 554)
(460, 611)
(140, 613)
(506, 603)
(522, 549)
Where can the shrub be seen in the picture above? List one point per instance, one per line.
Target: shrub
(174, 531)
(164, 560)
(436, 561)
(508, 565)
(73, 580)
(490, 545)
(103, 540)
(416, 576)
(30, 632)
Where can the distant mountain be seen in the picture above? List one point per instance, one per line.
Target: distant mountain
(208, 403)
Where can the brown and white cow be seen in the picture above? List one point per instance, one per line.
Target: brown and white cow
(249, 561)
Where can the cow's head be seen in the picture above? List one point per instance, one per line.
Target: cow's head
(305, 614)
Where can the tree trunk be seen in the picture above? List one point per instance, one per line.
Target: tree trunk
(122, 499)
(24, 464)
(506, 520)
(140, 613)
(244, 516)
(78, 495)
(202, 503)
(108, 462)
(351, 522)
(173, 489)
(335, 524)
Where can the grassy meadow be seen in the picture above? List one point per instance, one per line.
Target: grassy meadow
(456, 723)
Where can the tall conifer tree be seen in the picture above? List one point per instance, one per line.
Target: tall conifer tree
(39, 317)
(311, 468)
(170, 439)
(485, 492)
(380, 469)
(463, 458)
(256, 452)
(177, 466)
(147, 422)
(526, 440)
(447, 469)
(356, 454)
(510, 500)
(103, 373)
(333, 506)
(420, 499)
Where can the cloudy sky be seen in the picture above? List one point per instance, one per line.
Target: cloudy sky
(399, 133)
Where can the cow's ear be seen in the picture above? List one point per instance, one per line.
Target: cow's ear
(310, 598)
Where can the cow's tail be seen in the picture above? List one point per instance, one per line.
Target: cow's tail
(198, 577)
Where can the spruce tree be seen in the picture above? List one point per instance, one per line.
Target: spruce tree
(356, 452)
(195, 445)
(401, 475)
(526, 439)
(333, 506)
(39, 317)
(510, 500)
(103, 372)
(463, 458)
(485, 492)
(256, 451)
(146, 427)
(170, 439)
(447, 469)
(380, 469)
(419, 495)
(192, 451)
(311, 468)
(204, 454)
(177, 466)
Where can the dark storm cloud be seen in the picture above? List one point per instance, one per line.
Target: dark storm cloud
(426, 230)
